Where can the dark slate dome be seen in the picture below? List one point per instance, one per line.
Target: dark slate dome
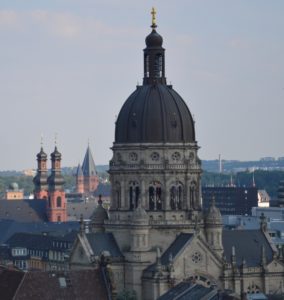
(154, 114)
(154, 39)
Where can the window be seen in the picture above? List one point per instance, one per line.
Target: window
(176, 196)
(58, 201)
(155, 192)
(134, 192)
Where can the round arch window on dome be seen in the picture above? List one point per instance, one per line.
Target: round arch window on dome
(155, 196)
(134, 192)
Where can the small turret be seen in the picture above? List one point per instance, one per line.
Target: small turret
(213, 227)
(98, 217)
(40, 180)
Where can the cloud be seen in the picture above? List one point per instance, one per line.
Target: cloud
(61, 25)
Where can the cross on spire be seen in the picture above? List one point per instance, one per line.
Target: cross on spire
(153, 13)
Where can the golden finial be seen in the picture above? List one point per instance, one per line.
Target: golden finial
(153, 13)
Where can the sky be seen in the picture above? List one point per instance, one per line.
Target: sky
(67, 66)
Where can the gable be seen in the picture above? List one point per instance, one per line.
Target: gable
(79, 254)
(197, 261)
(248, 244)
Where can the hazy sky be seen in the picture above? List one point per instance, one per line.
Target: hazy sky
(67, 66)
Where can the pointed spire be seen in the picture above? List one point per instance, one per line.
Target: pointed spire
(79, 171)
(88, 166)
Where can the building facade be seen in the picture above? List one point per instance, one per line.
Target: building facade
(155, 234)
(231, 200)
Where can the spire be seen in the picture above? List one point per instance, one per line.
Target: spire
(88, 166)
(79, 171)
(154, 56)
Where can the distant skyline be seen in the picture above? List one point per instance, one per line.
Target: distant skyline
(67, 66)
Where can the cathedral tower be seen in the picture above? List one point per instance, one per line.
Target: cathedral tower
(56, 207)
(79, 180)
(40, 180)
(155, 170)
(89, 172)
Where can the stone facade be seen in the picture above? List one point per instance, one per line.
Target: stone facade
(156, 217)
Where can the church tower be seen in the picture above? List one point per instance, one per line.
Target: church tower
(155, 170)
(79, 180)
(40, 180)
(91, 180)
(56, 207)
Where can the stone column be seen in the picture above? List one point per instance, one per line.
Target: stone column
(166, 196)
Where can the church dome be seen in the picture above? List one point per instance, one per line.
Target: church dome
(154, 39)
(14, 186)
(154, 114)
(41, 155)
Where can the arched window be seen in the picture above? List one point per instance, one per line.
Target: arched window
(158, 66)
(117, 195)
(176, 194)
(155, 193)
(134, 192)
(147, 66)
(58, 202)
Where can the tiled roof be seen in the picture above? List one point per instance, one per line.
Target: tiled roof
(182, 240)
(103, 241)
(76, 209)
(9, 282)
(177, 245)
(83, 285)
(248, 244)
(9, 227)
(39, 241)
(23, 210)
